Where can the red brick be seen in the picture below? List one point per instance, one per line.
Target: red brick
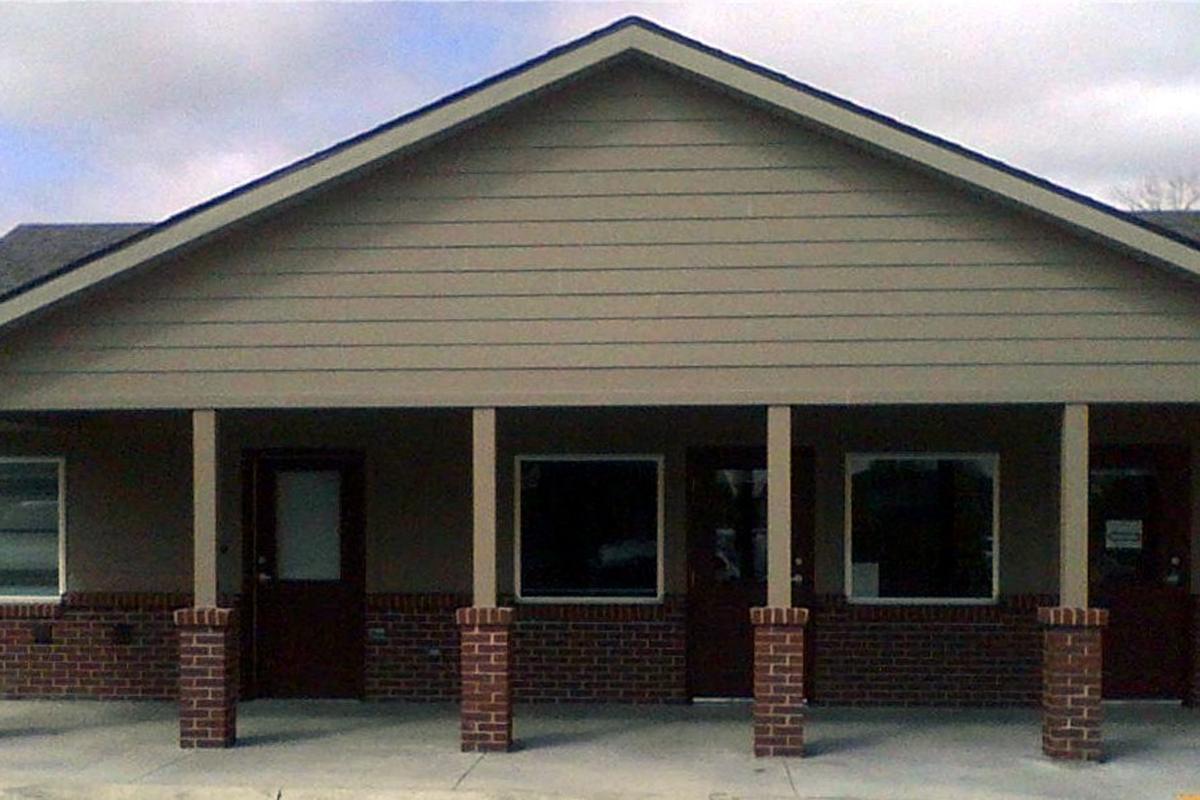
(84, 658)
(1193, 697)
(870, 655)
(486, 706)
(208, 647)
(1072, 715)
(779, 701)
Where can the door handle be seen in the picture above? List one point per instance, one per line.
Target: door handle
(264, 578)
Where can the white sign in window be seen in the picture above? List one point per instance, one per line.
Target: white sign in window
(1123, 534)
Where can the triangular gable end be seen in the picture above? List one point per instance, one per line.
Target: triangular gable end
(563, 64)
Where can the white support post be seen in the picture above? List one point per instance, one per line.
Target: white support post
(204, 507)
(483, 472)
(1073, 508)
(779, 506)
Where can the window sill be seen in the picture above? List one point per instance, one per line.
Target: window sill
(25, 607)
(589, 601)
(923, 601)
(30, 599)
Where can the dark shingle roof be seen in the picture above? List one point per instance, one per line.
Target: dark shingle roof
(31, 252)
(1185, 223)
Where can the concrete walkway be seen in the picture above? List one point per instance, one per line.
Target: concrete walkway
(373, 751)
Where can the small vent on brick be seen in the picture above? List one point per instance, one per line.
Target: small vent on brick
(122, 633)
(377, 635)
(43, 633)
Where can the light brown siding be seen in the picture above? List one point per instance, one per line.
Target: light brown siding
(633, 239)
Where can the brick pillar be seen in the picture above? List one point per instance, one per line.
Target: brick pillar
(486, 679)
(1193, 696)
(1071, 690)
(208, 676)
(779, 701)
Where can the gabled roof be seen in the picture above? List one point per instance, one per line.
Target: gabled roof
(631, 37)
(29, 253)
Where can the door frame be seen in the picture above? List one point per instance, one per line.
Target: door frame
(253, 459)
(803, 534)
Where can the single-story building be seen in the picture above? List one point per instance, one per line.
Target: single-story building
(637, 373)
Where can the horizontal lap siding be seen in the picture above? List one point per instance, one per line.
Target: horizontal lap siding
(684, 245)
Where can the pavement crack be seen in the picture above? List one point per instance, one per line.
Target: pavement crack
(470, 769)
(791, 781)
(168, 763)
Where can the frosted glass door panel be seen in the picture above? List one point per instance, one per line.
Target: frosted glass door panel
(308, 512)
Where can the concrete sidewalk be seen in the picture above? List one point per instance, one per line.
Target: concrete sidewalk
(333, 749)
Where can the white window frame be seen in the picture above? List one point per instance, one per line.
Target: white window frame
(62, 529)
(659, 462)
(992, 459)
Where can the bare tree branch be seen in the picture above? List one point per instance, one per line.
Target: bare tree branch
(1159, 193)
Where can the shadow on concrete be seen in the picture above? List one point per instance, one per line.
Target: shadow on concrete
(829, 745)
(539, 741)
(1126, 747)
(281, 737)
(34, 731)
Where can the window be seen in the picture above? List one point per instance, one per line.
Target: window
(922, 527)
(31, 526)
(589, 527)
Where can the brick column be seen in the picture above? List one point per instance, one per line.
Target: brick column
(1193, 695)
(208, 676)
(779, 701)
(486, 679)
(1071, 678)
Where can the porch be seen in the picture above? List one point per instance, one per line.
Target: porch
(435, 505)
(293, 749)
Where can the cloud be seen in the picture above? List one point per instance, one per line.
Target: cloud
(1087, 95)
(137, 111)
(161, 107)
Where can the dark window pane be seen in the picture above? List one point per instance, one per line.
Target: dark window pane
(922, 527)
(28, 528)
(589, 528)
(739, 518)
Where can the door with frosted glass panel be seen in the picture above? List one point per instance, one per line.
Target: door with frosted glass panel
(308, 576)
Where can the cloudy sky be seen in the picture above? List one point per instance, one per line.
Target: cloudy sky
(136, 111)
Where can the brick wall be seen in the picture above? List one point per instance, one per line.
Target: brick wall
(111, 646)
(561, 653)
(927, 655)
(601, 653)
(413, 646)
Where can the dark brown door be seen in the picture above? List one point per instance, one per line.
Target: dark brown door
(1138, 563)
(727, 569)
(307, 578)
